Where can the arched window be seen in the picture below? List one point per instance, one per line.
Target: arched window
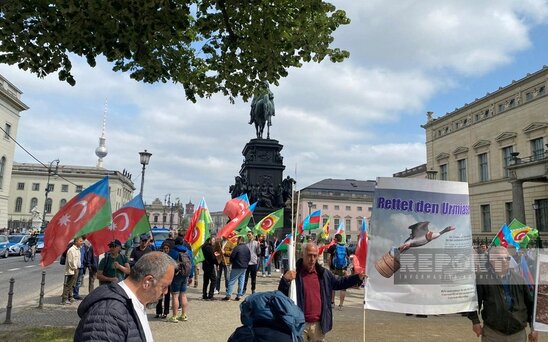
(2, 168)
(18, 204)
(49, 203)
(33, 203)
(62, 203)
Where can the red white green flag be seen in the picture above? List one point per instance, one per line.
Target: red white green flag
(127, 222)
(238, 223)
(85, 213)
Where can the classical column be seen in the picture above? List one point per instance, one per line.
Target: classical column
(518, 207)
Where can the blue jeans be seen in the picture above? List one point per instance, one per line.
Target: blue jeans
(226, 270)
(79, 279)
(239, 275)
(266, 269)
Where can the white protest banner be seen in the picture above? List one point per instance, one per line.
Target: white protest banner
(541, 293)
(420, 258)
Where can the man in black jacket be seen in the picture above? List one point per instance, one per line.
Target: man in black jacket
(239, 258)
(314, 286)
(504, 300)
(208, 266)
(117, 311)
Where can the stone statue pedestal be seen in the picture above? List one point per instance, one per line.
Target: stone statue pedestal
(263, 163)
(262, 173)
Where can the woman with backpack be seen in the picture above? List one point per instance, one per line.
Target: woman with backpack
(185, 271)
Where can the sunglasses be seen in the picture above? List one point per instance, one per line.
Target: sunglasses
(501, 258)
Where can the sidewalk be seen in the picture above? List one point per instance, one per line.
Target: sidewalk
(214, 321)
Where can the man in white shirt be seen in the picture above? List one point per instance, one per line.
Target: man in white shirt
(72, 265)
(118, 310)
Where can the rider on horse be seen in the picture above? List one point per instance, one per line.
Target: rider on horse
(262, 110)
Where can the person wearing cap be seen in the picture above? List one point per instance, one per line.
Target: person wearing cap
(114, 266)
(141, 250)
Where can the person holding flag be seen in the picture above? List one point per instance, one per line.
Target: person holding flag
(504, 301)
(251, 272)
(314, 284)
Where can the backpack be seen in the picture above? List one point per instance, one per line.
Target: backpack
(184, 264)
(270, 314)
(63, 259)
(340, 258)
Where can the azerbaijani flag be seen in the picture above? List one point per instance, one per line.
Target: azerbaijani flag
(360, 255)
(311, 222)
(235, 206)
(325, 229)
(504, 238)
(271, 222)
(281, 246)
(198, 230)
(237, 223)
(85, 213)
(127, 222)
(526, 273)
(342, 230)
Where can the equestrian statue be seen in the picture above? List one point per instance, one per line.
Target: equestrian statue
(262, 111)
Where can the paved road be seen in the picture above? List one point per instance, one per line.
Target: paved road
(27, 276)
(215, 321)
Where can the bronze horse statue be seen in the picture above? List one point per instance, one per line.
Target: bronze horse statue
(262, 110)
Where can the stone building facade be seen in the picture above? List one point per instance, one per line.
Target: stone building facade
(11, 107)
(345, 200)
(498, 145)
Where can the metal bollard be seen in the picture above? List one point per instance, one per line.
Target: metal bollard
(10, 299)
(42, 285)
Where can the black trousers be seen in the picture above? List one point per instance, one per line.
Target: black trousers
(251, 272)
(165, 299)
(210, 277)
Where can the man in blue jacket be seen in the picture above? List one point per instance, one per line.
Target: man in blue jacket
(314, 286)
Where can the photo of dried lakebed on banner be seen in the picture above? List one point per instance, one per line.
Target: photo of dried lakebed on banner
(420, 256)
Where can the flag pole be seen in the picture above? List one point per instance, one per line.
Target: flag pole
(291, 248)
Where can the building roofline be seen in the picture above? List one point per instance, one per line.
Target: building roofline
(487, 96)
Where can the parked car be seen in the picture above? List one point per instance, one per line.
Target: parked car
(18, 244)
(40, 243)
(160, 234)
(4, 244)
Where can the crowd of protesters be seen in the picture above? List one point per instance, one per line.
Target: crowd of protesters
(505, 305)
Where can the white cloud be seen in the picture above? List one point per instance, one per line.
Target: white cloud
(359, 119)
(468, 37)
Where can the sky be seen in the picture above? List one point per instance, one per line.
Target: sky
(360, 119)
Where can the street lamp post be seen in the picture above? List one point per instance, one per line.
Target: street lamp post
(145, 158)
(310, 204)
(56, 161)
